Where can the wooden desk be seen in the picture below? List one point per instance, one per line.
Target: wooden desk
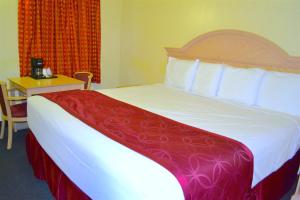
(30, 86)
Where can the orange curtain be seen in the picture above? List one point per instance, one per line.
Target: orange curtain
(65, 33)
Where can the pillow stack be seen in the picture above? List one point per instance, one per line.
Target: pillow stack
(240, 85)
(180, 73)
(207, 79)
(280, 92)
(250, 86)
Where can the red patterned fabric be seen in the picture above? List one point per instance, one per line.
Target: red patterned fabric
(65, 33)
(45, 169)
(207, 165)
(272, 187)
(19, 110)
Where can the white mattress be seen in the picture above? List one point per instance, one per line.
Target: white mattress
(105, 169)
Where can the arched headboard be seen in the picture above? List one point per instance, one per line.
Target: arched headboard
(237, 48)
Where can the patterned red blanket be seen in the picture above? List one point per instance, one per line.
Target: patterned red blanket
(207, 165)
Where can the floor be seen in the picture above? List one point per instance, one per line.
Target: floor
(17, 181)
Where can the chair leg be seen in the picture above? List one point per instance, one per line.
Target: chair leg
(10, 134)
(2, 129)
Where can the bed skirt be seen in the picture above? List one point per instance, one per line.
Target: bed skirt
(62, 188)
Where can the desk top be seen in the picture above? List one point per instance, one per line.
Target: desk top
(28, 82)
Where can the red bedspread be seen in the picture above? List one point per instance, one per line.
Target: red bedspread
(207, 165)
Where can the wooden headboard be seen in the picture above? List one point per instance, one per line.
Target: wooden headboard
(237, 48)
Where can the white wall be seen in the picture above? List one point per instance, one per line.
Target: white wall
(9, 59)
(111, 14)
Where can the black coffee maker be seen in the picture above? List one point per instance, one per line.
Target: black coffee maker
(37, 68)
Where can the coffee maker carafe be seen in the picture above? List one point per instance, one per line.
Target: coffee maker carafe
(37, 67)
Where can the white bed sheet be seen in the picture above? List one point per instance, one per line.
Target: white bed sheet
(104, 169)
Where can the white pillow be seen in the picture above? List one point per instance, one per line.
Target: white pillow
(181, 73)
(240, 85)
(280, 92)
(207, 79)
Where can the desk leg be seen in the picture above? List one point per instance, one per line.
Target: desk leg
(10, 88)
(15, 87)
(10, 84)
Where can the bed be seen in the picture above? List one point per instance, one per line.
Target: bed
(78, 162)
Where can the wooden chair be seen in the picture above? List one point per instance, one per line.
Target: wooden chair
(11, 113)
(86, 77)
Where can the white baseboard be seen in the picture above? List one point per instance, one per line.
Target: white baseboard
(21, 126)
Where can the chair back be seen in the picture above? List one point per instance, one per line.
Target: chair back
(86, 77)
(5, 108)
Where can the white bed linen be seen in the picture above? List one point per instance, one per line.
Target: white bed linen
(104, 169)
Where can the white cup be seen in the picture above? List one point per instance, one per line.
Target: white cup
(45, 72)
(49, 72)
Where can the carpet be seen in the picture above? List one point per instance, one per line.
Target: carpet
(17, 181)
